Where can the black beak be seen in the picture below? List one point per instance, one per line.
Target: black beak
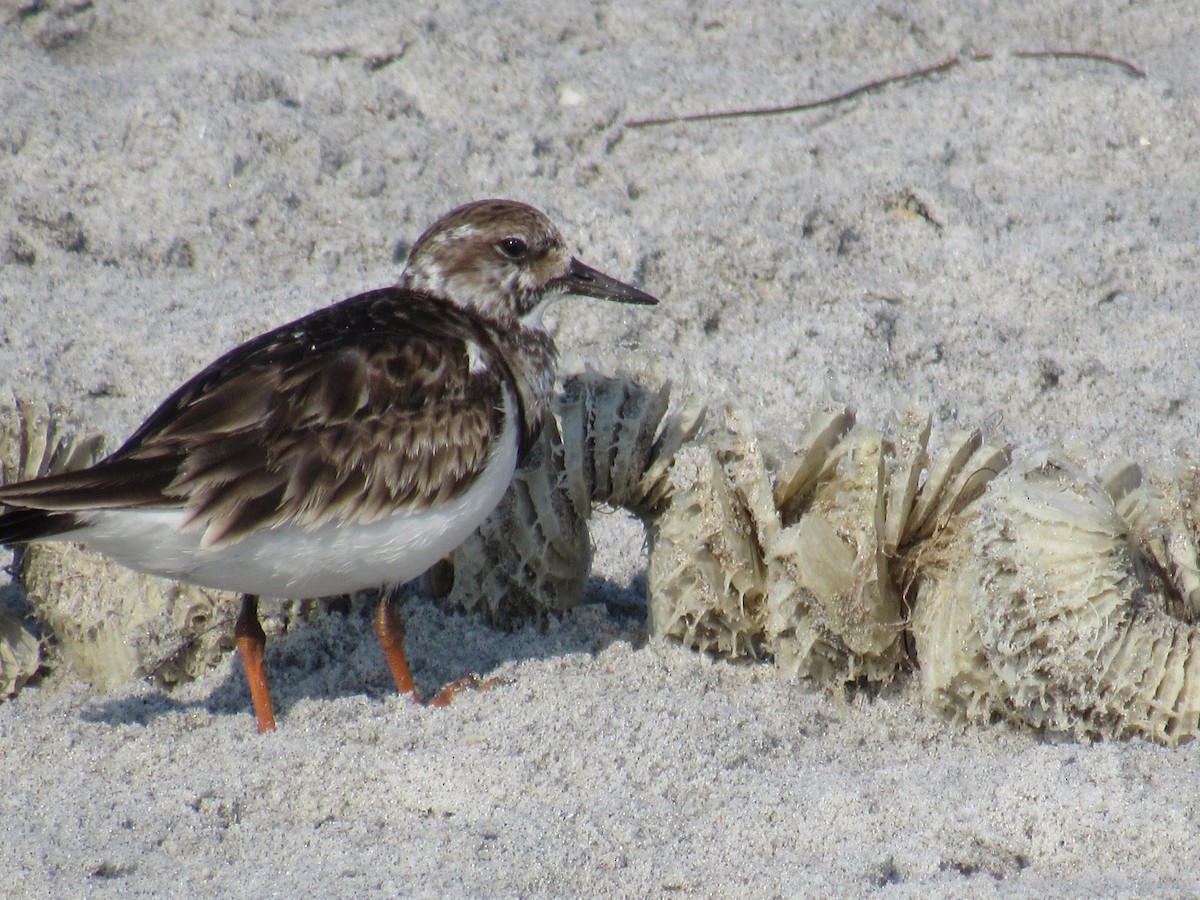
(587, 282)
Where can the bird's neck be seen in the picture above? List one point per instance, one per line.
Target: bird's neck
(532, 359)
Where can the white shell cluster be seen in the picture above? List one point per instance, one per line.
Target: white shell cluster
(1039, 594)
(1036, 593)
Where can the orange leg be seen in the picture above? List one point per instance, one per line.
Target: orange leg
(389, 631)
(251, 639)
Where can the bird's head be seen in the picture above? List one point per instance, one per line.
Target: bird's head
(504, 260)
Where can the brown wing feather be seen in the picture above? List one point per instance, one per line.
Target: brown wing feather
(341, 416)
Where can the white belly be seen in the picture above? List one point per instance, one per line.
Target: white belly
(298, 562)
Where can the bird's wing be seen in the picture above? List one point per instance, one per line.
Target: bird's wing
(390, 399)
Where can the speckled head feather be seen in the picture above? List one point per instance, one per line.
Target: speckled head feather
(502, 259)
(494, 256)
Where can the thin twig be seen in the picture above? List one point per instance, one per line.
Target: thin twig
(1130, 68)
(880, 83)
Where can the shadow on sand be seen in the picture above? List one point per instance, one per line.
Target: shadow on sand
(334, 653)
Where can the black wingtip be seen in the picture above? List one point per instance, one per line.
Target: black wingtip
(19, 526)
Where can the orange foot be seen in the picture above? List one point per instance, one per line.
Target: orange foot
(470, 682)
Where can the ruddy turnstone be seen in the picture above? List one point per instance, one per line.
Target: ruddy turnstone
(351, 448)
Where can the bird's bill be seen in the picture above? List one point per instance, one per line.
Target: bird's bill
(587, 282)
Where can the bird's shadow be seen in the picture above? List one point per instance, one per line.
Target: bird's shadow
(335, 654)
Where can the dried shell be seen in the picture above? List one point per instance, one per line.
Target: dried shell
(533, 554)
(113, 625)
(610, 441)
(1042, 596)
(1162, 513)
(619, 439)
(956, 677)
(813, 569)
(20, 654)
(1075, 628)
(109, 624)
(833, 610)
(43, 440)
(707, 583)
(936, 548)
(798, 478)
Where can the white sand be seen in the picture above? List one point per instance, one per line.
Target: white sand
(176, 177)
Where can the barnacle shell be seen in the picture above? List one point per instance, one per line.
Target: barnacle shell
(839, 570)
(1077, 630)
(33, 441)
(110, 624)
(834, 612)
(532, 555)
(20, 654)
(707, 583)
(609, 441)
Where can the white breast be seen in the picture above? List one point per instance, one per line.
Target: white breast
(298, 562)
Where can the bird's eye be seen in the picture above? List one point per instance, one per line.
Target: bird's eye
(513, 247)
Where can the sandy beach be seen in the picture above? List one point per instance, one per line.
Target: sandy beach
(1010, 244)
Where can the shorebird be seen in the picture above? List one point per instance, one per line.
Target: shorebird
(351, 448)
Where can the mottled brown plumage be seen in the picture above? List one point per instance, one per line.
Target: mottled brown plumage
(345, 415)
